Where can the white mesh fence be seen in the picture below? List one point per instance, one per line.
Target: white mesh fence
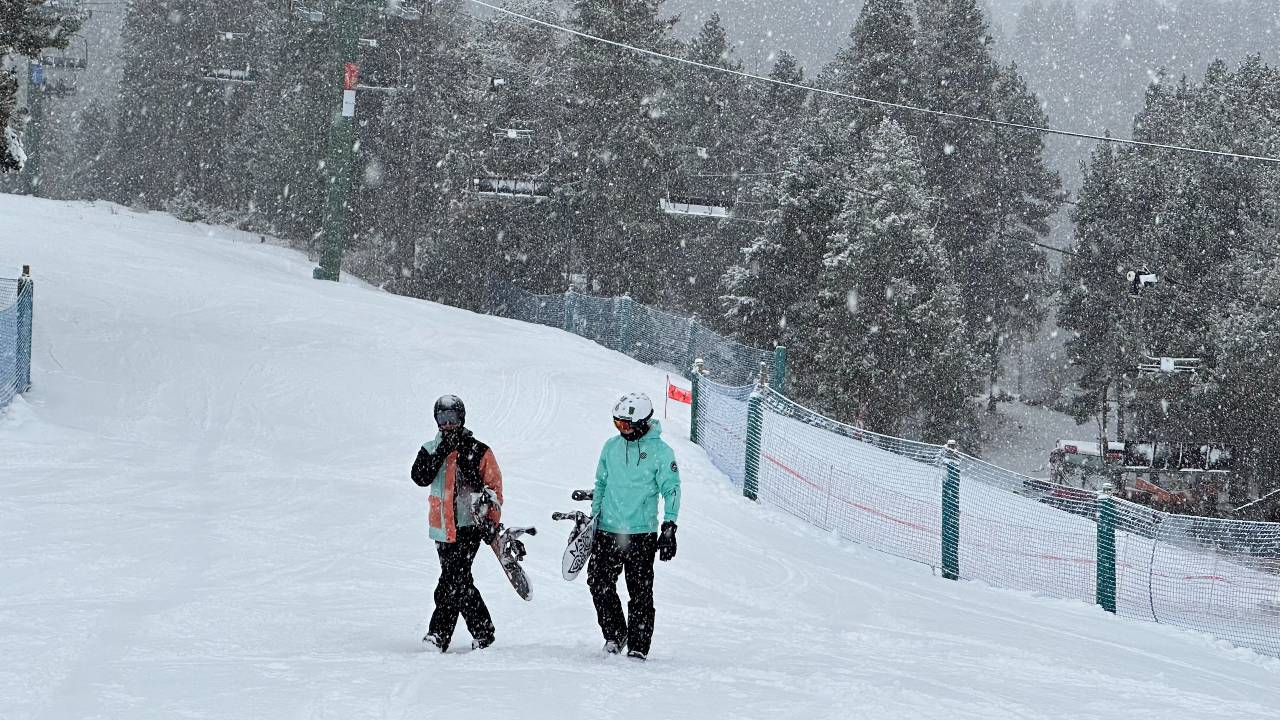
(1216, 576)
(722, 426)
(868, 488)
(1025, 533)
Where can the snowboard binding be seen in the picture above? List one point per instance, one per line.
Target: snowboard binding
(504, 541)
(581, 537)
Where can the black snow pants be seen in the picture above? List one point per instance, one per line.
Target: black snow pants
(456, 593)
(610, 555)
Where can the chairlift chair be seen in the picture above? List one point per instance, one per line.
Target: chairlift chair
(510, 171)
(1170, 366)
(64, 61)
(511, 189)
(720, 196)
(231, 67)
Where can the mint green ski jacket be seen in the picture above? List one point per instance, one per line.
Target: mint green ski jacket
(629, 478)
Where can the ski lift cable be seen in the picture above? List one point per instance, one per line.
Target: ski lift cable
(882, 103)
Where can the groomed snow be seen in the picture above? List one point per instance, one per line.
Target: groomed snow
(205, 512)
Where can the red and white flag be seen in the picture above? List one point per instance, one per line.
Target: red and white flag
(679, 394)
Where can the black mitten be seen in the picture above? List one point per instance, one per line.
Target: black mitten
(667, 541)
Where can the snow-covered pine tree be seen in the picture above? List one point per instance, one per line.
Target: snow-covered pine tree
(770, 296)
(422, 143)
(979, 207)
(1022, 194)
(93, 177)
(891, 356)
(712, 116)
(620, 152)
(780, 112)
(525, 243)
(26, 28)
(881, 63)
(1095, 306)
(1246, 382)
(260, 144)
(164, 119)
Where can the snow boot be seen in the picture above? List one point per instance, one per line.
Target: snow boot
(481, 643)
(612, 648)
(433, 641)
(635, 654)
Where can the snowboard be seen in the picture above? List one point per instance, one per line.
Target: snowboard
(506, 544)
(581, 538)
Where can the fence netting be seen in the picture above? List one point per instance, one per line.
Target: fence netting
(634, 329)
(722, 426)
(869, 488)
(1216, 576)
(1025, 533)
(11, 341)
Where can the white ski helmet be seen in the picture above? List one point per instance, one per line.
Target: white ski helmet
(634, 408)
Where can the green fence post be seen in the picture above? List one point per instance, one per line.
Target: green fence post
(568, 311)
(779, 380)
(26, 307)
(625, 311)
(1106, 584)
(696, 395)
(951, 514)
(755, 433)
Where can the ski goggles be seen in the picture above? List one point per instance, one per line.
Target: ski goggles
(449, 418)
(624, 425)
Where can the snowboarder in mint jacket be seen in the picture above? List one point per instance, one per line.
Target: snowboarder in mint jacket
(457, 467)
(636, 467)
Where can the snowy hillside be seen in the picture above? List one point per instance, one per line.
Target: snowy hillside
(205, 512)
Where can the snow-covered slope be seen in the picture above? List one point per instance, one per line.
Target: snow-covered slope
(205, 512)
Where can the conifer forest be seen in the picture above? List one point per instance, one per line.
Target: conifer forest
(870, 184)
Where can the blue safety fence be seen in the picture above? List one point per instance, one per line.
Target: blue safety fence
(644, 333)
(16, 306)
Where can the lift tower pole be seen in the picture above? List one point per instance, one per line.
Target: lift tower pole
(336, 226)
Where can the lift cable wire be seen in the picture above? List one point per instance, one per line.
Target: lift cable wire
(882, 103)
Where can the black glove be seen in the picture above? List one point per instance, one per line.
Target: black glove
(448, 443)
(667, 541)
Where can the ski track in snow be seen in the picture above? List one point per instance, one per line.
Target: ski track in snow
(205, 512)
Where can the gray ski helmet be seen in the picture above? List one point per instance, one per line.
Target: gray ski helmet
(449, 410)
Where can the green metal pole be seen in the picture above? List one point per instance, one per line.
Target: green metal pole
(755, 435)
(779, 380)
(1106, 584)
(951, 514)
(696, 394)
(336, 227)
